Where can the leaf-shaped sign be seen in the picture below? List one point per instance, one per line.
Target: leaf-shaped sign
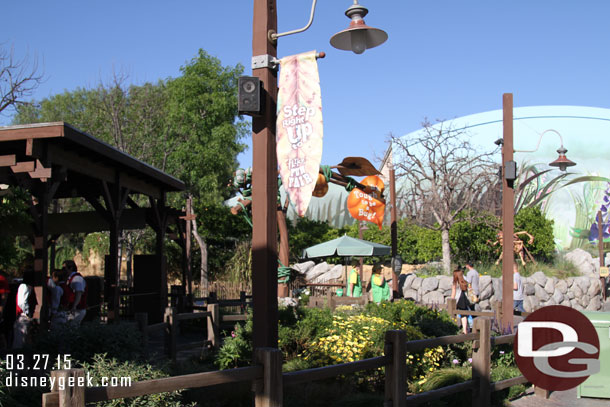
(356, 166)
(299, 127)
(368, 205)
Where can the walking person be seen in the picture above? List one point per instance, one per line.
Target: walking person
(459, 288)
(474, 293)
(56, 287)
(75, 293)
(517, 289)
(25, 306)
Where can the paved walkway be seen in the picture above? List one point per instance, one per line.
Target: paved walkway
(558, 399)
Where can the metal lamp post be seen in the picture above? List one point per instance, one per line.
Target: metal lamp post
(264, 160)
(509, 174)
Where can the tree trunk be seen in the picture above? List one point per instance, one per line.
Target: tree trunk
(203, 247)
(446, 250)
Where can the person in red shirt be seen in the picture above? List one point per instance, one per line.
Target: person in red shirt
(75, 293)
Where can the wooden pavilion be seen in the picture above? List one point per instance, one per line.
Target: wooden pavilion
(54, 161)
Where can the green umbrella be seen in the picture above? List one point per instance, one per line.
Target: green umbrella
(346, 246)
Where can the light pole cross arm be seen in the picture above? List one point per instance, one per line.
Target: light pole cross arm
(273, 36)
(539, 140)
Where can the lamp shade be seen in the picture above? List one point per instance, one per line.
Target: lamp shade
(358, 36)
(562, 161)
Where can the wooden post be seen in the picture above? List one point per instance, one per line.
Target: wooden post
(600, 237)
(72, 393)
(269, 393)
(48, 399)
(242, 299)
(396, 373)
(264, 184)
(213, 325)
(497, 308)
(539, 392)
(142, 321)
(451, 307)
(481, 363)
(508, 217)
(171, 333)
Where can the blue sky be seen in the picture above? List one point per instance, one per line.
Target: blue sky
(444, 58)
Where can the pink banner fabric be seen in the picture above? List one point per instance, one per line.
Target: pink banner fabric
(299, 127)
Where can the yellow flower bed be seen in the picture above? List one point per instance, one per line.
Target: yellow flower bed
(351, 338)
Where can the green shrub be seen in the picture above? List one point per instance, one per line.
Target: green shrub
(403, 314)
(236, 350)
(102, 366)
(468, 240)
(17, 396)
(119, 340)
(536, 224)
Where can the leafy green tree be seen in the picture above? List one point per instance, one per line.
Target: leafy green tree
(205, 130)
(305, 233)
(533, 221)
(469, 239)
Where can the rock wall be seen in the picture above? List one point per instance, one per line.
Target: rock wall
(581, 293)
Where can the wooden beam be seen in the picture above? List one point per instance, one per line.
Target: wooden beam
(8, 160)
(97, 170)
(77, 222)
(25, 166)
(29, 146)
(34, 131)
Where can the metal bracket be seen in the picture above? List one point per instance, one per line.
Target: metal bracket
(265, 61)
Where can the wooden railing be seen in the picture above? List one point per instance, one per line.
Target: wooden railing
(495, 313)
(332, 301)
(268, 379)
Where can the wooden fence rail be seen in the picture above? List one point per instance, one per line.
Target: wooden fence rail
(268, 379)
(171, 326)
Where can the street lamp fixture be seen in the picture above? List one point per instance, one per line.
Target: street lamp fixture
(562, 162)
(358, 36)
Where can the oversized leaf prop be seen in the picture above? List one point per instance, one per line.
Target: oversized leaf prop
(299, 127)
(356, 166)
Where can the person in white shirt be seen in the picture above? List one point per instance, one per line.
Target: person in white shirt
(25, 306)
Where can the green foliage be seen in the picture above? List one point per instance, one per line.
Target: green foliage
(12, 396)
(224, 234)
(468, 239)
(299, 326)
(201, 110)
(97, 242)
(305, 233)
(103, 367)
(120, 341)
(236, 350)
(404, 314)
(416, 244)
(502, 355)
(536, 224)
(13, 210)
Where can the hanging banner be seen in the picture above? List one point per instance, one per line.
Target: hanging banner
(299, 127)
(368, 205)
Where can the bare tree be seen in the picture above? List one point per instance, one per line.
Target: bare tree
(18, 78)
(442, 175)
